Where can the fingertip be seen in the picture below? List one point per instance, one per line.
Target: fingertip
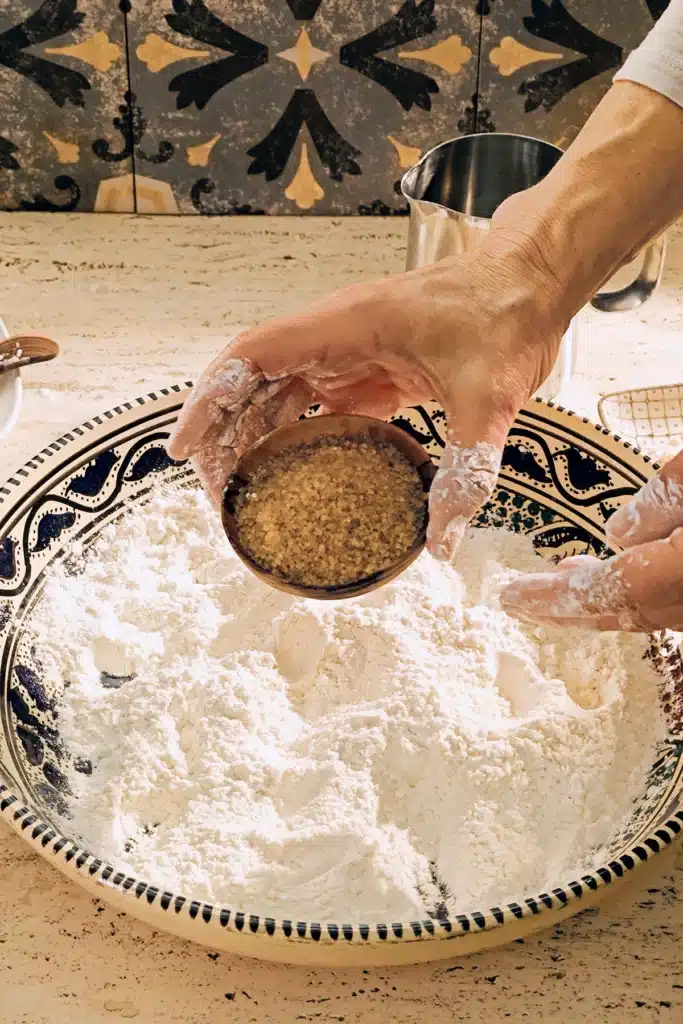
(621, 528)
(213, 466)
(535, 594)
(443, 545)
(176, 449)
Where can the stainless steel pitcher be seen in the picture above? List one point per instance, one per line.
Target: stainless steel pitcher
(454, 191)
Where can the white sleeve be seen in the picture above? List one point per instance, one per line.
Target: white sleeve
(658, 62)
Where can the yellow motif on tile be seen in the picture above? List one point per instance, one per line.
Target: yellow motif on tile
(304, 55)
(512, 55)
(450, 54)
(97, 51)
(303, 189)
(67, 152)
(407, 155)
(157, 53)
(198, 156)
(117, 195)
(154, 196)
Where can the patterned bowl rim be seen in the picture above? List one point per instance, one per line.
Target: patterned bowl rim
(77, 862)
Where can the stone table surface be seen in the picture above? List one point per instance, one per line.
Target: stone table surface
(137, 303)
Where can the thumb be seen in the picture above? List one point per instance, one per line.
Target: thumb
(467, 475)
(654, 512)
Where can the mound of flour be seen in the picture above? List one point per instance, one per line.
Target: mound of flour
(405, 753)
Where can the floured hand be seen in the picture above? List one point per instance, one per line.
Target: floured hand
(638, 590)
(468, 333)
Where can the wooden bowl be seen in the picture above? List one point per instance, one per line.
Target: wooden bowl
(307, 431)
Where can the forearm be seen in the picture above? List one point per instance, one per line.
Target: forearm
(618, 186)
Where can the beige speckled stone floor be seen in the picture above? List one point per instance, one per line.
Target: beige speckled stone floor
(136, 304)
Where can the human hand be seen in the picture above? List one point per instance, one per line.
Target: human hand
(477, 334)
(637, 590)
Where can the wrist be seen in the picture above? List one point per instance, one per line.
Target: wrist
(535, 232)
(617, 187)
(529, 289)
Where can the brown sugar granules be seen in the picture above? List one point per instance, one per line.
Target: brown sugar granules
(331, 512)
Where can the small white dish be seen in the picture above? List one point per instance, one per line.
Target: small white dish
(10, 394)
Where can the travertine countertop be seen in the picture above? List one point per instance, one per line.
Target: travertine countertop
(136, 303)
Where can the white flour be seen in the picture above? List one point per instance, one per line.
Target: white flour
(311, 760)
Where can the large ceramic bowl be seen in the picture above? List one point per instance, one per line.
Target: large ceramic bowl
(562, 477)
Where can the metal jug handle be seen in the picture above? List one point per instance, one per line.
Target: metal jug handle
(640, 290)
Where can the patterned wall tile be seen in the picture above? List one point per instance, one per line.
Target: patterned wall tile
(63, 76)
(546, 64)
(294, 106)
(283, 106)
